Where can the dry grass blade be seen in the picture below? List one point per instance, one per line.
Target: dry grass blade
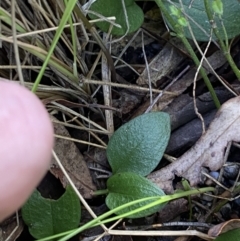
(30, 28)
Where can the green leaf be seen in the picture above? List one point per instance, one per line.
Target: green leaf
(46, 217)
(230, 18)
(110, 8)
(233, 235)
(138, 145)
(126, 187)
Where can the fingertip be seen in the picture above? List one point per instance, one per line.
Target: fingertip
(26, 141)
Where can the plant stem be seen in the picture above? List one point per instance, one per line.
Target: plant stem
(224, 48)
(100, 192)
(102, 218)
(216, 208)
(67, 12)
(160, 200)
(179, 31)
(202, 71)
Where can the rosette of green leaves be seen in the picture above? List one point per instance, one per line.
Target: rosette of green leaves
(134, 151)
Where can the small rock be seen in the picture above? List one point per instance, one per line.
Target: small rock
(237, 201)
(214, 175)
(231, 171)
(226, 211)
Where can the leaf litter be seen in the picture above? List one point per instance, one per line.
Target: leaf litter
(186, 127)
(73, 161)
(208, 150)
(217, 60)
(75, 156)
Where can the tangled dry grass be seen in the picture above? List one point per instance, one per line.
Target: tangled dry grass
(30, 26)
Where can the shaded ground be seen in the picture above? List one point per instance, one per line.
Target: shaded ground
(106, 109)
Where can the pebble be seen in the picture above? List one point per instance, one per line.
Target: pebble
(237, 201)
(226, 211)
(215, 175)
(210, 182)
(231, 171)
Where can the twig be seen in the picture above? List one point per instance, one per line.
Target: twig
(164, 91)
(161, 233)
(107, 91)
(147, 68)
(194, 86)
(79, 141)
(125, 86)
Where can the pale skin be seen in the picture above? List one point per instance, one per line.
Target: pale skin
(26, 141)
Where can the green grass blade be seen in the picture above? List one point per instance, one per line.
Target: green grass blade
(64, 19)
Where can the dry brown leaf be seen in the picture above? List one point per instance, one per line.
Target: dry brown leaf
(73, 162)
(172, 210)
(216, 230)
(208, 150)
(10, 230)
(217, 59)
(163, 64)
